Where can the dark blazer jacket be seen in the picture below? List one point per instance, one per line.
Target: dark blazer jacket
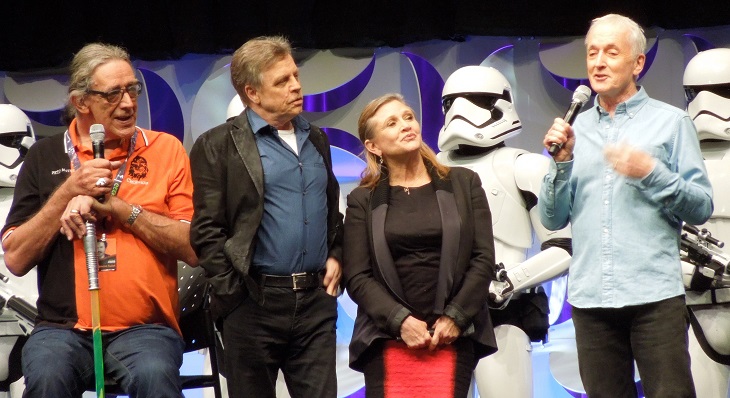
(466, 268)
(228, 198)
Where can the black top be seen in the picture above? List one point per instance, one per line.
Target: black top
(413, 232)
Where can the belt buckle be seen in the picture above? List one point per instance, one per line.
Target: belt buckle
(297, 278)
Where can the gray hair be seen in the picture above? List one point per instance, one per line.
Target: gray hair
(252, 58)
(85, 62)
(636, 33)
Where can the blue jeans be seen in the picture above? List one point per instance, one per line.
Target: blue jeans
(654, 334)
(144, 360)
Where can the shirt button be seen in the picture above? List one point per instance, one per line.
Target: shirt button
(605, 202)
(605, 230)
(306, 222)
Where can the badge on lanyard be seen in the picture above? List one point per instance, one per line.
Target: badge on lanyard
(106, 252)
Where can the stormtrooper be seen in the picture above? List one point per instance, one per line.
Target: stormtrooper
(707, 87)
(479, 116)
(17, 295)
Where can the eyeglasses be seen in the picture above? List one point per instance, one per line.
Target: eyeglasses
(115, 96)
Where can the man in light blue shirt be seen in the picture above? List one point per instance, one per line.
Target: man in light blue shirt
(628, 173)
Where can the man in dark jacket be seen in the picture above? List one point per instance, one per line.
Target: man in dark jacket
(268, 231)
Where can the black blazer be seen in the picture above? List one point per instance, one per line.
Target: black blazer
(466, 268)
(228, 197)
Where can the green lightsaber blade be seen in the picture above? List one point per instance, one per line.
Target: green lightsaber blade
(98, 352)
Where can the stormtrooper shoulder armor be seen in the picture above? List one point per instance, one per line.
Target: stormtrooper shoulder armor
(530, 169)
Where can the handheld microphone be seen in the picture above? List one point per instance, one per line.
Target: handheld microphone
(580, 97)
(97, 134)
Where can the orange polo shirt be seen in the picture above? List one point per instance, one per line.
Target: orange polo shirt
(143, 287)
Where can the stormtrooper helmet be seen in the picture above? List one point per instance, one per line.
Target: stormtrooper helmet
(16, 136)
(235, 107)
(478, 108)
(707, 89)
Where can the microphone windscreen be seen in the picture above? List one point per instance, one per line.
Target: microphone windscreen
(582, 94)
(97, 133)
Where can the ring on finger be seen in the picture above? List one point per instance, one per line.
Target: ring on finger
(101, 182)
(74, 211)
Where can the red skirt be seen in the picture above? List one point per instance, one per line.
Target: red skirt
(400, 372)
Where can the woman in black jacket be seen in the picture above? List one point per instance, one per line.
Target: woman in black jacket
(418, 261)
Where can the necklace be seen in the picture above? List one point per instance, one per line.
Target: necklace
(415, 180)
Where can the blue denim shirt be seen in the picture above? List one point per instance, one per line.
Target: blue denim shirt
(626, 231)
(292, 236)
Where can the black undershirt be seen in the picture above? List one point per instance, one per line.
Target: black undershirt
(413, 232)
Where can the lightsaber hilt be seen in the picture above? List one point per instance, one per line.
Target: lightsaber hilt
(92, 260)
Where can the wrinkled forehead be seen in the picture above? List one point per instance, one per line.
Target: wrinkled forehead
(115, 72)
(602, 33)
(279, 67)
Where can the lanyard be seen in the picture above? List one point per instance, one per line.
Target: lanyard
(76, 163)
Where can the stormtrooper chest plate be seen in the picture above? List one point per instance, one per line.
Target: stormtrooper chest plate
(510, 217)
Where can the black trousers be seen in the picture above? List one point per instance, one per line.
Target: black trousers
(654, 334)
(291, 331)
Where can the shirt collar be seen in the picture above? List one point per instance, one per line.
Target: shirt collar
(257, 123)
(629, 107)
(142, 141)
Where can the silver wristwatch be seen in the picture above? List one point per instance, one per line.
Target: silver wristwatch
(136, 211)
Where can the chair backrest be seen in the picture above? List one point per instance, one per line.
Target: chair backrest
(193, 299)
(196, 324)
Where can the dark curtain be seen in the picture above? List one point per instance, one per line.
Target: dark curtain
(44, 34)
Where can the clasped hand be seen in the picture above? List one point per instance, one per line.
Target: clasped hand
(415, 333)
(91, 181)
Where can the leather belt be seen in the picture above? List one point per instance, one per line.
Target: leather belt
(296, 282)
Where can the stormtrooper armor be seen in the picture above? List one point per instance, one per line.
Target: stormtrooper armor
(235, 107)
(707, 86)
(16, 136)
(479, 116)
(478, 109)
(17, 295)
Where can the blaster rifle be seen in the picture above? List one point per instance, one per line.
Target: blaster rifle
(699, 248)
